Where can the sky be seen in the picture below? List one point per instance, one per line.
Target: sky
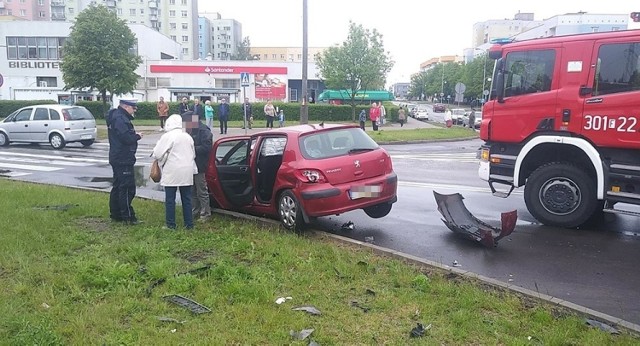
(413, 30)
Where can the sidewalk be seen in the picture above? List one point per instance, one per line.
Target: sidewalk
(151, 134)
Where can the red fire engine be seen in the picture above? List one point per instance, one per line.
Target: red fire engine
(563, 120)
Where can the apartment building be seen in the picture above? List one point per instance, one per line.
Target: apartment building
(177, 19)
(223, 35)
(291, 54)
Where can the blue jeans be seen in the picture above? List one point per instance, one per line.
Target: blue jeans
(170, 205)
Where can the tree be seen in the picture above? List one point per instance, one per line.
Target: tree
(243, 50)
(97, 54)
(360, 63)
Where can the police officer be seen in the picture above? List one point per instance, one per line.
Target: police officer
(123, 144)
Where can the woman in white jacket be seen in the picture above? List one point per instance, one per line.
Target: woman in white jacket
(176, 155)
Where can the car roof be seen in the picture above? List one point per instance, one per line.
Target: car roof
(299, 130)
(53, 105)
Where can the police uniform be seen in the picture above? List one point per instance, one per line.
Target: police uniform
(123, 144)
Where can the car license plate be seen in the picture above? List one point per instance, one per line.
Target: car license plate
(365, 191)
(86, 137)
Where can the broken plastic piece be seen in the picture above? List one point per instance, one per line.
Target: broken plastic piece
(303, 334)
(187, 303)
(348, 226)
(310, 309)
(604, 327)
(461, 221)
(368, 239)
(456, 264)
(419, 330)
(281, 300)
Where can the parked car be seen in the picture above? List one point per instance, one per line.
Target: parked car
(422, 114)
(459, 117)
(439, 108)
(302, 172)
(478, 120)
(52, 123)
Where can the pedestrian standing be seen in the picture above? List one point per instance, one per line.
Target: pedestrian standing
(270, 113)
(402, 116)
(247, 112)
(185, 106)
(176, 155)
(374, 116)
(472, 120)
(281, 118)
(123, 144)
(202, 142)
(208, 114)
(163, 112)
(383, 113)
(363, 119)
(223, 115)
(198, 108)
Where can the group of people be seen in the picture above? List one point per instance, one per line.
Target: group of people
(182, 153)
(204, 111)
(378, 115)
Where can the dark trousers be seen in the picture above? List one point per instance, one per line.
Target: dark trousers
(122, 193)
(170, 205)
(163, 118)
(223, 126)
(375, 125)
(270, 121)
(362, 124)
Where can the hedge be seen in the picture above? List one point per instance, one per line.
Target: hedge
(147, 110)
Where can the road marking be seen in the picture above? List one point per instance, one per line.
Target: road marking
(50, 157)
(45, 161)
(29, 167)
(459, 157)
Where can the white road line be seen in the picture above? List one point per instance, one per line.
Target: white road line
(13, 174)
(45, 161)
(52, 157)
(454, 188)
(29, 167)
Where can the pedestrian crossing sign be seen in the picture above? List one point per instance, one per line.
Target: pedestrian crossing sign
(244, 79)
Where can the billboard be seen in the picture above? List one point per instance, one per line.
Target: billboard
(270, 87)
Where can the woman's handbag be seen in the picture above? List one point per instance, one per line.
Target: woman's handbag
(156, 172)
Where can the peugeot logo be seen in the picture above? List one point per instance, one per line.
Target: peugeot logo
(357, 163)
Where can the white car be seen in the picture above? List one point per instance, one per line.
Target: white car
(459, 117)
(51, 123)
(422, 115)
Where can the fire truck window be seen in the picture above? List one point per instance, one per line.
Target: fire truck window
(618, 69)
(529, 72)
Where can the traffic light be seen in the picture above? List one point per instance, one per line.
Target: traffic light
(635, 16)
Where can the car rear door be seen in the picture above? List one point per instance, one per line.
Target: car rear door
(231, 181)
(40, 124)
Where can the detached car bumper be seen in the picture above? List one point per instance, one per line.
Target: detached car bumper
(327, 199)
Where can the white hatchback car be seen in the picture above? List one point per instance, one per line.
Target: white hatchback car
(52, 123)
(422, 114)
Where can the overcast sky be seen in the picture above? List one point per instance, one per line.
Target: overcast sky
(413, 30)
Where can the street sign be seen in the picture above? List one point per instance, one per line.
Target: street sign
(244, 79)
(485, 92)
(460, 88)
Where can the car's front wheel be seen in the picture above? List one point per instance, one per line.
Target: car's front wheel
(4, 139)
(379, 210)
(290, 211)
(56, 141)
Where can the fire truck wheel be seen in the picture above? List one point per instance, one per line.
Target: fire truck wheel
(560, 194)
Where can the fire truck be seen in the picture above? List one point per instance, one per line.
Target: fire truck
(563, 120)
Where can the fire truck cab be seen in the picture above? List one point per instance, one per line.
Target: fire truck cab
(563, 120)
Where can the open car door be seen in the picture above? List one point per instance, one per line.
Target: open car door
(234, 173)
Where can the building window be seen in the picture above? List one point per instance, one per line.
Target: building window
(173, 37)
(184, 14)
(50, 82)
(185, 26)
(172, 2)
(142, 11)
(71, 10)
(185, 51)
(273, 56)
(132, 11)
(119, 11)
(42, 14)
(34, 48)
(282, 56)
(172, 26)
(266, 57)
(23, 13)
(40, 2)
(184, 2)
(172, 13)
(231, 83)
(185, 38)
(299, 56)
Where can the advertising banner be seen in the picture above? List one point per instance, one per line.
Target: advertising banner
(270, 87)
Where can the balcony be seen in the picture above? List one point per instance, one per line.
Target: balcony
(153, 4)
(57, 3)
(153, 17)
(58, 16)
(110, 3)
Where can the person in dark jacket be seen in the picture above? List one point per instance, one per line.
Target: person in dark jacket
(185, 106)
(123, 144)
(248, 116)
(202, 141)
(198, 108)
(223, 115)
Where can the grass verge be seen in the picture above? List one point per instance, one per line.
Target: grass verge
(439, 133)
(70, 276)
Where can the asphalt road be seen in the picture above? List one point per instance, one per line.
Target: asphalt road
(593, 267)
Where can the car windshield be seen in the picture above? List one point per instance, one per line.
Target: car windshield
(338, 142)
(77, 113)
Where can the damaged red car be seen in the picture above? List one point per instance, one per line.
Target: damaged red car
(299, 173)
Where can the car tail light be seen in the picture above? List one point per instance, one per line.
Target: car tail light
(311, 176)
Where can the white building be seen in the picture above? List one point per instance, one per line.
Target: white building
(576, 23)
(223, 36)
(32, 68)
(486, 31)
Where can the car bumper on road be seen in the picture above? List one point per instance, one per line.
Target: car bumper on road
(331, 200)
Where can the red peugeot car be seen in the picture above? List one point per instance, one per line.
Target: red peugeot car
(301, 172)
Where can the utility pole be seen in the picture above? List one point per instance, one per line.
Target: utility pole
(304, 108)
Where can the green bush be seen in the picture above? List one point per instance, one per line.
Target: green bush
(9, 106)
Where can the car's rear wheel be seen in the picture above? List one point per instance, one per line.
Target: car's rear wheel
(379, 210)
(290, 211)
(88, 142)
(56, 141)
(4, 139)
